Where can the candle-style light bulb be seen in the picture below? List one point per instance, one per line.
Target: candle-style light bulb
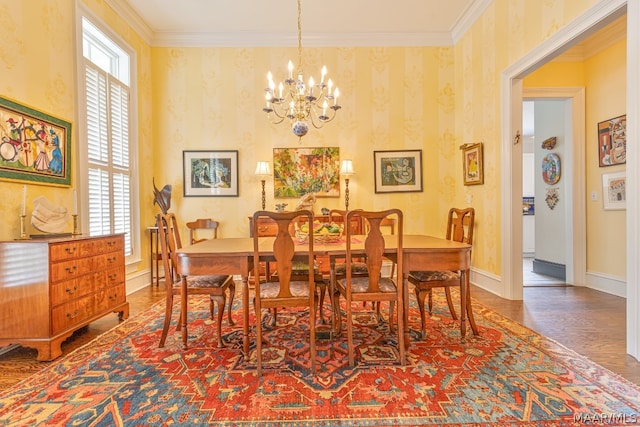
(290, 67)
(329, 86)
(335, 96)
(280, 89)
(323, 73)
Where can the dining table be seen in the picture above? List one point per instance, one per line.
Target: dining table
(235, 256)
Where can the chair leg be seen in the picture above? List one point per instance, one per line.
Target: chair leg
(430, 302)
(232, 294)
(258, 340)
(352, 361)
(472, 321)
(392, 305)
(420, 296)
(323, 288)
(447, 292)
(221, 301)
(167, 317)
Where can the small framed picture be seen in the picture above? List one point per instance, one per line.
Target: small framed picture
(612, 141)
(397, 171)
(614, 190)
(210, 173)
(472, 164)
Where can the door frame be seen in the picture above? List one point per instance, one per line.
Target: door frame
(599, 15)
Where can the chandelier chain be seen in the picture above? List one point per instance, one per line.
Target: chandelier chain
(300, 36)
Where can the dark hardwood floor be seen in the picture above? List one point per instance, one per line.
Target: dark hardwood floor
(590, 322)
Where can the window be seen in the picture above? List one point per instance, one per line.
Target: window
(106, 144)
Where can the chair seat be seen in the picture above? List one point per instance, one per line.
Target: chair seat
(272, 289)
(356, 268)
(431, 276)
(213, 281)
(361, 284)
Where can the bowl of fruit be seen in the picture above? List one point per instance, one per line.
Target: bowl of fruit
(323, 232)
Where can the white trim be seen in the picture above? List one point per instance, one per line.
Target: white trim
(633, 163)
(131, 17)
(485, 280)
(469, 16)
(138, 280)
(606, 283)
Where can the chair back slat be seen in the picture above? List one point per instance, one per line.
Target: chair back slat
(460, 225)
(283, 246)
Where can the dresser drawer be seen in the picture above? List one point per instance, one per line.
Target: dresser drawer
(110, 297)
(72, 313)
(68, 290)
(267, 228)
(64, 251)
(70, 269)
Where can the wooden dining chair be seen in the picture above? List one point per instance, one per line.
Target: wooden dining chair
(460, 223)
(290, 289)
(372, 287)
(215, 286)
(202, 224)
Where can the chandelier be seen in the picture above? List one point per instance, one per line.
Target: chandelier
(299, 102)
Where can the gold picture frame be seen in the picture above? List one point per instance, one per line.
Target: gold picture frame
(472, 164)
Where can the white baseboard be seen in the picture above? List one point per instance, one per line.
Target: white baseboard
(138, 280)
(607, 283)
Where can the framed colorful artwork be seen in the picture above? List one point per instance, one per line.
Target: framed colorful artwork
(472, 164)
(34, 146)
(397, 171)
(614, 190)
(210, 173)
(551, 169)
(612, 141)
(300, 171)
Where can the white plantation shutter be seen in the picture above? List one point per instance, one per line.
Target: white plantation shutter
(107, 102)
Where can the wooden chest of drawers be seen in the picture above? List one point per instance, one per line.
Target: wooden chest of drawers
(49, 288)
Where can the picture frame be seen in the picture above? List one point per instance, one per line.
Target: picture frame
(614, 187)
(35, 147)
(397, 171)
(472, 164)
(612, 141)
(300, 171)
(210, 173)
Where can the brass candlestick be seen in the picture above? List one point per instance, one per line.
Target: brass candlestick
(75, 224)
(23, 233)
(346, 193)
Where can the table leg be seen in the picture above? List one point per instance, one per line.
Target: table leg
(183, 309)
(463, 303)
(245, 313)
(405, 314)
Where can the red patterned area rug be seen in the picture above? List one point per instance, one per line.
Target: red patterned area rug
(508, 376)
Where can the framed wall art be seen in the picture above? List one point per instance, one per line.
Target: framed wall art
(612, 141)
(397, 171)
(614, 188)
(472, 164)
(34, 146)
(300, 171)
(210, 173)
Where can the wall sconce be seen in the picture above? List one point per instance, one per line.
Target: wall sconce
(346, 170)
(263, 171)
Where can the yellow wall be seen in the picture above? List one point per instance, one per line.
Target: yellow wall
(211, 98)
(392, 99)
(604, 78)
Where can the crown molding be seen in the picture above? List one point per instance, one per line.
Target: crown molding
(131, 17)
(471, 15)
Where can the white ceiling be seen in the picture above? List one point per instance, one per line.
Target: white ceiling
(324, 23)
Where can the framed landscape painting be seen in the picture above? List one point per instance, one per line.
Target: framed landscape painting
(34, 147)
(300, 171)
(397, 171)
(210, 173)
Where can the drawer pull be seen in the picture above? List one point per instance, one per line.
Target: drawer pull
(111, 243)
(113, 297)
(72, 316)
(70, 250)
(71, 269)
(263, 228)
(111, 260)
(113, 277)
(72, 291)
